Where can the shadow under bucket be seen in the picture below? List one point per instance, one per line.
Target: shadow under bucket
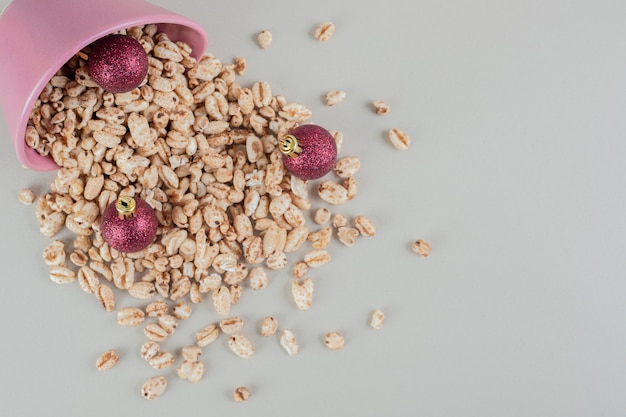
(37, 37)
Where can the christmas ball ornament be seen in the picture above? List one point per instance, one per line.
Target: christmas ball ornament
(128, 224)
(118, 63)
(309, 151)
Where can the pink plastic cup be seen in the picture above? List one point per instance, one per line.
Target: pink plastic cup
(38, 36)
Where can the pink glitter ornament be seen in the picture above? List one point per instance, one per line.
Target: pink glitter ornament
(309, 151)
(128, 224)
(118, 63)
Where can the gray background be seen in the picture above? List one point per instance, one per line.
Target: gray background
(515, 175)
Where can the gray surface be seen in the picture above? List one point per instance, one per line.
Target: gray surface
(515, 175)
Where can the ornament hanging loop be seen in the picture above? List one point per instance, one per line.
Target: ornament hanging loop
(125, 207)
(289, 146)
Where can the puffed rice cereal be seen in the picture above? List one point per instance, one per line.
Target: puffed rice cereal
(324, 31)
(264, 39)
(202, 150)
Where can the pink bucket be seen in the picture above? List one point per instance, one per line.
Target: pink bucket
(38, 36)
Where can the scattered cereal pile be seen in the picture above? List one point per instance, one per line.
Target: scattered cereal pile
(202, 151)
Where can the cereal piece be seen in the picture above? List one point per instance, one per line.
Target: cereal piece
(258, 278)
(399, 139)
(107, 360)
(380, 107)
(334, 97)
(338, 136)
(321, 238)
(254, 150)
(289, 343)
(161, 360)
(32, 138)
(421, 247)
(106, 139)
(221, 300)
(93, 187)
(54, 253)
(191, 353)
(300, 269)
(240, 65)
(295, 112)
(235, 293)
(269, 325)
(208, 68)
(168, 323)
(170, 178)
(79, 258)
(334, 340)
(347, 167)
(322, 215)
(365, 226)
(264, 39)
(377, 320)
(224, 262)
(105, 295)
(279, 205)
(185, 369)
(241, 394)
(168, 51)
(157, 308)
(299, 187)
(295, 238)
(350, 185)
(88, 279)
(123, 270)
(207, 335)
(211, 282)
(240, 346)
(180, 287)
(139, 129)
(324, 31)
(294, 216)
(253, 249)
(231, 325)
(347, 235)
(197, 370)
(130, 316)
(191, 369)
(276, 261)
(195, 296)
(155, 332)
(317, 258)
(52, 224)
(143, 290)
(101, 268)
(332, 193)
(339, 220)
(167, 100)
(154, 387)
(245, 101)
(26, 196)
(302, 293)
(262, 93)
(242, 226)
(149, 350)
(181, 311)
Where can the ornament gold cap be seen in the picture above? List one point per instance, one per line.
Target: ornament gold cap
(288, 145)
(125, 206)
